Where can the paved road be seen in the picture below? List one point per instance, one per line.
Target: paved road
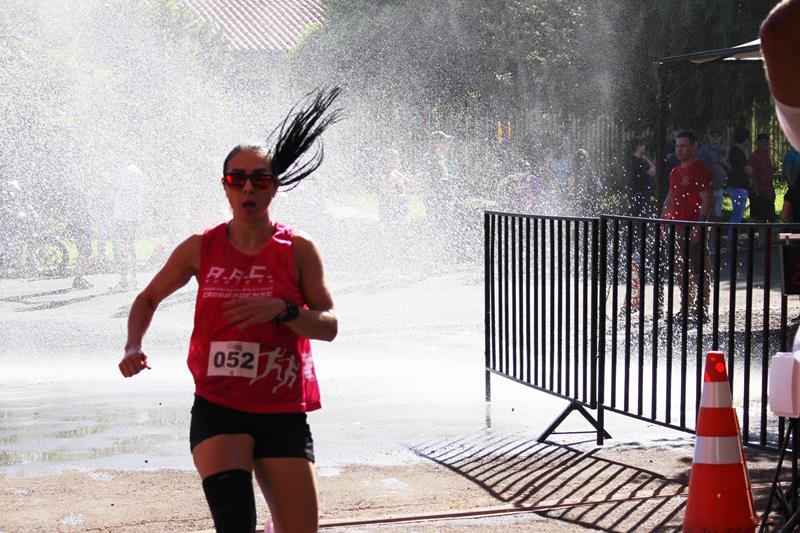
(403, 427)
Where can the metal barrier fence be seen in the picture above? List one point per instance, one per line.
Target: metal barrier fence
(611, 314)
(541, 305)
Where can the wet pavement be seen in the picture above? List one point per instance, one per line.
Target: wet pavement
(403, 431)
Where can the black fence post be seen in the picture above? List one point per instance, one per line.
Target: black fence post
(487, 313)
(599, 377)
(594, 334)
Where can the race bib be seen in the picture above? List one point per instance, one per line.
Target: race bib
(233, 358)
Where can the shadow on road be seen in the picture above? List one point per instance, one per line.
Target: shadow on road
(581, 487)
(566, 483)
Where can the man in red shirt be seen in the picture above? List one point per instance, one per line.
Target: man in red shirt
(689, 198)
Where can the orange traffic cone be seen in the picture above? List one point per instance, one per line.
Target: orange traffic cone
(720, 498)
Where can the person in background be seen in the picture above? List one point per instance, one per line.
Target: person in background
(739, 175)
(515, 192)
(79, 227)
(393, 191)
(639, 180)
(560, 164)
(584, 181)
(780, 47)
(791, 166)
(126, 211)
(689, 198)
(672, 159)
(439, 178)
(712, 156)
(763, 201)
(790, 211)
(446, 215)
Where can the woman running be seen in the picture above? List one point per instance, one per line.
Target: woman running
(261, 297)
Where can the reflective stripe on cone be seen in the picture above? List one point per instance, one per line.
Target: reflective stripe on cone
(716, 394)
(717, 451)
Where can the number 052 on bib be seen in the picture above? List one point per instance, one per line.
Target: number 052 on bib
(233, 358)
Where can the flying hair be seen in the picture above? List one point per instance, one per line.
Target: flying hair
(298, 133)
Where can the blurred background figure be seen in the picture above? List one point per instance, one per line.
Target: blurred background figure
(640, 180)
(126, 211)
(790, 211)
(444, 194)
(712, 155)
(79, 219)
(739, 173)
(12, 213)
(393, 190)
(791, 166)
(584, 180)
(559, 164)
(762, 202)
(515, 192)
(672, 159)
(438, 176)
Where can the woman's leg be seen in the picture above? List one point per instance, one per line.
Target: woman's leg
(289, 485)
(225, 463)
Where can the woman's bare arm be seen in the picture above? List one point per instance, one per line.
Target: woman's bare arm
(181, 266)
(319, 320)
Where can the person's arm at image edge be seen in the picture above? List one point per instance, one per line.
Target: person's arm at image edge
(780, 46)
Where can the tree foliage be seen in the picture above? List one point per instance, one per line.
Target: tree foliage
(87, 85)
(508, 57)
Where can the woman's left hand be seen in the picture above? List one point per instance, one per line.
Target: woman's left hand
(245, 312)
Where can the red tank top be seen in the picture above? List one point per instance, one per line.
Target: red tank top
(264, 368)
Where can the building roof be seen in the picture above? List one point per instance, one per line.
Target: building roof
(260, 25)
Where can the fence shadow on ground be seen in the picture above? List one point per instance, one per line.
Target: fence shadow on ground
(563, 482)
(576, 484)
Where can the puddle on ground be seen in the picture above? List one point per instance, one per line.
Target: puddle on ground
(328, 472)
(394, 484)
(73, 519)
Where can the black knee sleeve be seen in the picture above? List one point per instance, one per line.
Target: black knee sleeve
(230, 497)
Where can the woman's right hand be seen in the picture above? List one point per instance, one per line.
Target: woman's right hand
(133, 362)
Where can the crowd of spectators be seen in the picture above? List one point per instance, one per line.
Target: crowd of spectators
(548, 179)
(746, 178)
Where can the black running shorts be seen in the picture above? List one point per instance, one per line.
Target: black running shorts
(275, 434)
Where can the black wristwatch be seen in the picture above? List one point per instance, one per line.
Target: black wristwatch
(291, 312)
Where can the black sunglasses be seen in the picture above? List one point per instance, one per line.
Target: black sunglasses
(235, 179)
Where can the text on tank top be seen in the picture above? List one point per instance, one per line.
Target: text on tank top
(265, 368)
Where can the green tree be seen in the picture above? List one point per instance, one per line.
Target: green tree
(572, 57)
(87, 85)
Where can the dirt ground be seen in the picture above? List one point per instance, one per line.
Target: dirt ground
(573, 487)
(483, 482)
(569, 484)
(170, 500)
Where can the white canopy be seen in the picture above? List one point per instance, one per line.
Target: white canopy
(744, 52)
